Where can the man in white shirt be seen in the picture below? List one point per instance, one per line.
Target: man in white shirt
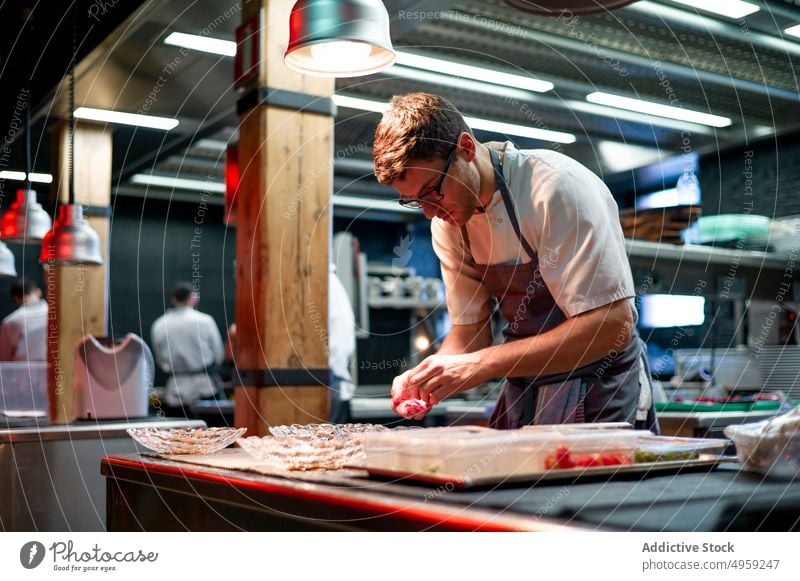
(341, 346)
(23, 333)
(538, 234)
(187, 345)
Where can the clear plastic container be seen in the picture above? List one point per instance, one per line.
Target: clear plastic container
(23, 386)
(489, 453)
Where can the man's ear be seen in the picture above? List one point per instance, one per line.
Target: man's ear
(467, 146)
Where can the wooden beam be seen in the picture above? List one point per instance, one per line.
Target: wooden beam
(283, 234)
(77, 296)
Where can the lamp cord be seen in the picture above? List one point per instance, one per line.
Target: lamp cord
(30, 102)
(72, 123)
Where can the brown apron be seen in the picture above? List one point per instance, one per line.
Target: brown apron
(616, 388)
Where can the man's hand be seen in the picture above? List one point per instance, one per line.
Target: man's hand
(440, 376)
(403, 390)
(459, 343)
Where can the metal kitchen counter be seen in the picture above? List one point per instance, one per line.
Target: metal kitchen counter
(50, 474)
(707, 424)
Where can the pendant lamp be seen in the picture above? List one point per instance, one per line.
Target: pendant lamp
(25, 222)
(73, 241)
(339, 38)
(7, 268)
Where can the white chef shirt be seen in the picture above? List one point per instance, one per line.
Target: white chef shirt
(565, 212)
(341, 333)
(23, 333)
(185, 340)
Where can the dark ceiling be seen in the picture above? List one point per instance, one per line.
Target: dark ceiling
(729, 68)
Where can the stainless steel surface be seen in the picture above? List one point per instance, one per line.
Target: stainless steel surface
(50, 476)
(706, 271)
(90, 430)
(700, 423)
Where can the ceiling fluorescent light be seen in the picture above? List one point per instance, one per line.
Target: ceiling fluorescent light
(658, 109)
(519, 130)
(12, 175)
(729, 8)
(641, 118)
(202, 43)
(360, 104)
(793, 30)
(19, 176)
(104, 115)
(212, 144)
(474, 122)
(434, 78)
(41, 178)
(180, 183)
(484, 75)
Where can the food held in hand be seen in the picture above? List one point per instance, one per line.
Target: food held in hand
(564, 459)
(412, 407)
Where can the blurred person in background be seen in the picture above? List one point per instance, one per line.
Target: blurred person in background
(188, 346)
(341, 346)
(23, 333)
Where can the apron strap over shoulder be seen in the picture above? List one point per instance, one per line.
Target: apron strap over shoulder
(511, 208)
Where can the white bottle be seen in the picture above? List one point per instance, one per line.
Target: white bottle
(688, 189)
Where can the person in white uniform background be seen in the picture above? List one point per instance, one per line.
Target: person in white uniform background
(341, 346)
(188, 346)
(537, 234)
(23, 333)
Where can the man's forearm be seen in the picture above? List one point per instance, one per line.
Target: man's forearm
(467, 338)
(577, 342)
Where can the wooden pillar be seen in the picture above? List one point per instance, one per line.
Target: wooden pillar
(286, 176)
(77, 296)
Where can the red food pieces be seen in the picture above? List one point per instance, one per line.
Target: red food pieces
(564, 459)
(412, 407)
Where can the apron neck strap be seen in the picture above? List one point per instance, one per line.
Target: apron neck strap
(509, 203)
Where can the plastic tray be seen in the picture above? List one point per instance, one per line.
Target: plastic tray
(461, 481)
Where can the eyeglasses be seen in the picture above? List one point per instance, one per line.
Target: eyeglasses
(435, 194)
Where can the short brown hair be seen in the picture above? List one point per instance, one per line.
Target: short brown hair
(416, 127)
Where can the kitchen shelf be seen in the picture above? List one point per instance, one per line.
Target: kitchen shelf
(711, 272)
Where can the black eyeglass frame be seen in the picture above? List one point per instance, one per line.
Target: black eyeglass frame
(435, 194)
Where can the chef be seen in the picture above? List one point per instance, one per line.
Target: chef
(536, 234)
(187, 345)
(23, 333)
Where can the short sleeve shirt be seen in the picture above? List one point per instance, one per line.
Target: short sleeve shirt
(569, 217)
